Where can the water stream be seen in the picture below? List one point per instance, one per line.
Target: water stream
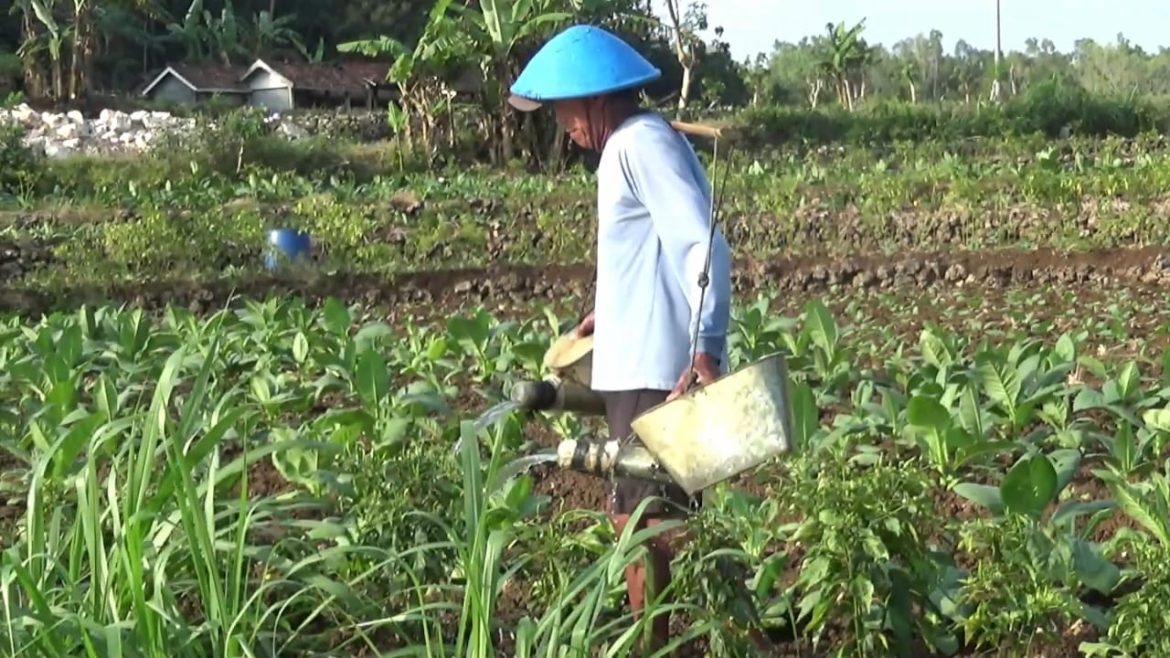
(517, 466)
(490, 417)
(495, 414)
(522, 464)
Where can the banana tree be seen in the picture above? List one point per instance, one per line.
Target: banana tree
(271, 33)
(191, 33)
(496, 28)
(420, 74)
(32, 44)
(81, 64)
(846, 54)
(910, 76)
(206, 36)
(52, 39)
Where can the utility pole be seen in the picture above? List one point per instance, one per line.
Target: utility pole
(995, 89)
(998, 35)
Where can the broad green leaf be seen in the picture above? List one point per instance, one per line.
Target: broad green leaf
(928, 413)
(370, 333)
(934, 349)
(1157, 419)
(1065, 462)
(1088, 398)
(1074, 508)
(1029, 485)
(436, 349)
(970, 414)
(1002, 383)
(394, 431)
(336, 316)
(1066, 349)
(820, 325)
(300, 347)
(1147, 510)
(1129, 381)
(983, 494)
(373, 379)
(805, 415)
(976, 450)
(105, 397)
(1093, 568)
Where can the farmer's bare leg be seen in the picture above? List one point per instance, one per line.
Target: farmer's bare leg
(645, 581)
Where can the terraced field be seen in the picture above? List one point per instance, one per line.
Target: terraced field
(203, 458)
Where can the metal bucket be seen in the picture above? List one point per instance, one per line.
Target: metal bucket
(571, 359)
(720, 430)
(286, 245)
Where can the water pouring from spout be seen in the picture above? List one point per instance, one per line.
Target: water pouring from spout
(493, 415)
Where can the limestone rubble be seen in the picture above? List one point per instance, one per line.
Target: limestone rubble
(58, 134)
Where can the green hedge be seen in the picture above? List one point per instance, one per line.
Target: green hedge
(1045, 109)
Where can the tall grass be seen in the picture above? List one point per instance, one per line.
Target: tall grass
(144, 537)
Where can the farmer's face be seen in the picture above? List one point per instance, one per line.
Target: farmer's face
(573, 117)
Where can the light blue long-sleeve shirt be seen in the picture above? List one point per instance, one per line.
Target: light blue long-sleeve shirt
(653, 211)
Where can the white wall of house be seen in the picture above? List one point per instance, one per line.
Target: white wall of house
(171, 90)
(270, 91)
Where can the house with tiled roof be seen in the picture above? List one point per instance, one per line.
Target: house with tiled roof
(276, 86)
(282, 86)
(188, 84)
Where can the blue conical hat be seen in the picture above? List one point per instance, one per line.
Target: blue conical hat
(581, 61)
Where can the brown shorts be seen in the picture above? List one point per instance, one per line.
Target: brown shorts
(621, 408)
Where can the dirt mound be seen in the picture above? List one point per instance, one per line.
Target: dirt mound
(18, 258)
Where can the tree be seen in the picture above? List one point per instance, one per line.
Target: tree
(844, 60)
(684, 28)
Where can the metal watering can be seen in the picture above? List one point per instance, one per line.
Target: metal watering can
(703, 437)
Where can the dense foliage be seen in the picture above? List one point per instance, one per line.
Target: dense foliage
(200, 457)
(298, 480)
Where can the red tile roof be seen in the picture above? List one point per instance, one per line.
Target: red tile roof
(352, 76)
(212, 77)
(202, 78)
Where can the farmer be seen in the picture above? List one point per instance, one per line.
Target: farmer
(653, 231)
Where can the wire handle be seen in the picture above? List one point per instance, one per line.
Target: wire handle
(716, 210)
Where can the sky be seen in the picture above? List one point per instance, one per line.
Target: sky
(751, 26)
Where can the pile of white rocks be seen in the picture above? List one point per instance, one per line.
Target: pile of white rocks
(59, 134)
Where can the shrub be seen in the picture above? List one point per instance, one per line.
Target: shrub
(20, 169)
(1050, 109)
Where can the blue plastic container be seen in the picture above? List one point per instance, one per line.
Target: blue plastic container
(287, 245)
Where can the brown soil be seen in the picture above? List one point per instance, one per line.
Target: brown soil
(436, 292)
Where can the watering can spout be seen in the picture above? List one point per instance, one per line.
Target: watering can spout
(554, 395)
(567, 389)
(609, 459)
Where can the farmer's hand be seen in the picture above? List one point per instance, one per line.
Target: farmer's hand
(705, 369)
(586, 327)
